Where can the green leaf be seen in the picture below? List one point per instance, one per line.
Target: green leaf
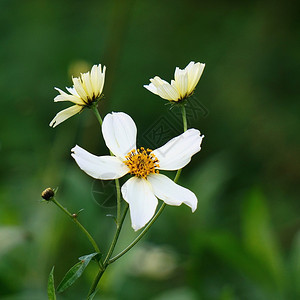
(295, 264)
(259, 237)
(91, 297)
(75, 272)
(51, 288)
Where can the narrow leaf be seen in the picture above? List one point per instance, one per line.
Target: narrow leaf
(75, 272)
(91, 297)
(51, 288)
(260, 239)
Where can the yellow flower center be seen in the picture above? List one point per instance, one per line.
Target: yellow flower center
(141, 162)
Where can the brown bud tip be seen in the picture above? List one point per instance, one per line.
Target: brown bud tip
(47, 194)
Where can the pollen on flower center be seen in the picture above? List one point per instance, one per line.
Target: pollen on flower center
(141, 162)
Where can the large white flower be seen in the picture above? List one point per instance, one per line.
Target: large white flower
(86, 90)
(142, 190)
(182, 87)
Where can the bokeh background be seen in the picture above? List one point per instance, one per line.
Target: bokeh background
(243, 242)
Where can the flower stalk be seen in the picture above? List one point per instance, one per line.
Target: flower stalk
(97, 114)
(82, 228)
(140, 235)
(184, 120)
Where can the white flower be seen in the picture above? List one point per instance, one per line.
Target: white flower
(142, 190)
(86, 90)
(182, 87)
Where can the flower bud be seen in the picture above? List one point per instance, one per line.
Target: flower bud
(48, 194)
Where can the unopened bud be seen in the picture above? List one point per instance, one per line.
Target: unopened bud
(47, 194)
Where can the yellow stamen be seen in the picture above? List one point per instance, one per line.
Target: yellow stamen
(141, 162)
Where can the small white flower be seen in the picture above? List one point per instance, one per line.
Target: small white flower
(142, 190)
(86, 90)
(182, 87)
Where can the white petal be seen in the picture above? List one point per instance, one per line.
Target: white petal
(164, 89)
(119, 132)
(171, 193)
(94, 78)
(194, 73)
(181, 80)
(99, 167)
(72, 91)
(157, 81)
(102, 78)
(152, 88)
(79, 89)
(66, 97)
(137, 192)
(178, 152)
(167, 91)
(65, 114)
(87, 85)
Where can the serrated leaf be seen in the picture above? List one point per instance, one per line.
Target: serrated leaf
(75, 272)
(51, 288)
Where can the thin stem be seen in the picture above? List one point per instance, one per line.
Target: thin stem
(115, 239)
(74, 219)
(95, 282)
(95, 110)
(110, 251)
(120, 219)
(139, 236)
(184, 117)
(118, 201)
(145, 229)
(177, 175)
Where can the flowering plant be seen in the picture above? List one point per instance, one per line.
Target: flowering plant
(142, 191)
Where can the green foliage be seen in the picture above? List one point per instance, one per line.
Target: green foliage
(51, 288)
(92, 296)
(75, 272)
(259, 239)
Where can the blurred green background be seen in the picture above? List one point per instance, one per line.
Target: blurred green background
(243, 242)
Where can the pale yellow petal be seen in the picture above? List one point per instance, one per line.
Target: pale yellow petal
(66, 97)
(101, 82)
(65, 114)
(87, 85)
(181, 81)
(79, 89)
(194, 73)
(95, 79)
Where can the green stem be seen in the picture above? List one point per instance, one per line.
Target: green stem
(145, 229)
(95, 110)
(178, 173)
(118, 202)
(74, 219)
(110, 252)
(115, 239)
(95, 282)
(119, 220)
(184, 117)
(139, 236)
